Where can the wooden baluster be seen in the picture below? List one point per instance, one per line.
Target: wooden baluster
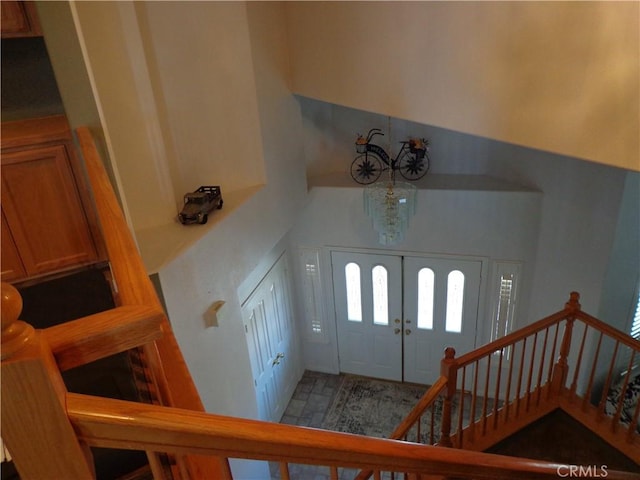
(587, 396)
(520, 371)
(432, 427)
(284, 471)
(448, 369)
(507, 395)
(496, 396)
(474, 397)
(561, 368)
(531, 362)
(461, 407)
(35, 426)
(616, 418)
(552, 358)
(486, 395)
(541, 370)
(607, 382)
(574, 383)
(334, 472)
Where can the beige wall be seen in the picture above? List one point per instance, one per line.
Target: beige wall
(561, 77)
(114, 55)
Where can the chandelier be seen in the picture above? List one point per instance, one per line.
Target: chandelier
(390, 205)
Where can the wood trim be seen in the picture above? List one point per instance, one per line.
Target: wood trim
(97, 336)
(120, 424)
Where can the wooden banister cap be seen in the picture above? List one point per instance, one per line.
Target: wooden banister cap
(15, 333)
(574, 301)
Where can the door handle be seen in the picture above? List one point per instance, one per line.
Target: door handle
(397, 320)
(407, 331)
(276, 361)
(396, 330)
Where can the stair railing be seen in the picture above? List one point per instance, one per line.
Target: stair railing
(48, 430)
(568, 360)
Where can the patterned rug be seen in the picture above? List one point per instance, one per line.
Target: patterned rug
(371, 407)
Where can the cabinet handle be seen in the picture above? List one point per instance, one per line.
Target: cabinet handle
(407, 332)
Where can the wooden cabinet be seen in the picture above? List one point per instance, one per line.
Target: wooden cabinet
(48, 222)
(19, 19)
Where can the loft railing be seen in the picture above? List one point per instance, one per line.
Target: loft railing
(48, 430)
(568, 360)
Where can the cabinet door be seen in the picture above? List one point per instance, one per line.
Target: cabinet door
(19, 19)
(43, 210)
(12, 268)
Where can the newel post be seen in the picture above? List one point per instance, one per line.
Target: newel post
(448, 369)
(35, 426)
(561, 367)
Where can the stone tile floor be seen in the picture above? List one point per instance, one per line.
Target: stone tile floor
(308, 407)
(311, 399)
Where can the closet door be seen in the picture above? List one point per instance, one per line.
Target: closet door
(268, 323)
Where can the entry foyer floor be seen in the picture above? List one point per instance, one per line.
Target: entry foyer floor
(316, 392)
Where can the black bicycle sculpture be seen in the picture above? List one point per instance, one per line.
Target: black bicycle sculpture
(412, 160)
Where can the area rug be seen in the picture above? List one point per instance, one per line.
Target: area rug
(372, 407)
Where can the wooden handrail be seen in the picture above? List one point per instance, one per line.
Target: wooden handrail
(607, 329)
(427, 400)
(120, 424)
(511, 338)
(106, 333)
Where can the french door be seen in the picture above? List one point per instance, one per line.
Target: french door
(396, 314)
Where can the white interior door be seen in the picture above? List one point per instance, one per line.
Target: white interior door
(395, 315)
(441, 298)
(368, 296)
(268, 325)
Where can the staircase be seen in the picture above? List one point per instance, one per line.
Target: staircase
(565, 362)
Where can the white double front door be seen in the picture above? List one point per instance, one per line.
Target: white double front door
(396, 314)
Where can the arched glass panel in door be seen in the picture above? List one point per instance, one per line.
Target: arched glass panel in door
(455, 298)
(379, 279)
(354, 296)
(426, 283)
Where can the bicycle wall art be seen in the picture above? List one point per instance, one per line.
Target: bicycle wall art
(412, 159)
